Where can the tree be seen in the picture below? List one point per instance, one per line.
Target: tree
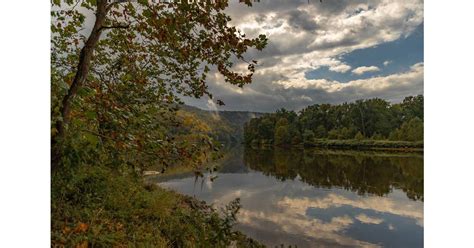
(156, 51)
(412, 106)
(334, 134)
(395, 135)
(282, 133)
(250, 131)
(374, 118)
(346, 133)
(266, 129)
(308, 137)
(296, 139)
(412, 130)
(320, 132)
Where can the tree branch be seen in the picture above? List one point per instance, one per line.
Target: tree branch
(115, 26)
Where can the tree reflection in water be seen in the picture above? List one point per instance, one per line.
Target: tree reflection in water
(362, 172)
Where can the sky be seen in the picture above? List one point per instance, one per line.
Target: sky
(329, 52)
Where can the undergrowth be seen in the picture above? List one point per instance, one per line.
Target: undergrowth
(100, 207)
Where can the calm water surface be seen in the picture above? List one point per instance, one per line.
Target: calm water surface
(318, 198)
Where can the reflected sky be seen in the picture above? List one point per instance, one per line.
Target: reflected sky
(289, 210)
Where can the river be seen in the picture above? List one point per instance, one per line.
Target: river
(317, 198)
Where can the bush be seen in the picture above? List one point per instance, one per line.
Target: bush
(99, 207)
(411, 130)
(359, 136)
(377, 136)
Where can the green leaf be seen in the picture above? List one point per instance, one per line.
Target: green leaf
(92, 139)
(91, 114)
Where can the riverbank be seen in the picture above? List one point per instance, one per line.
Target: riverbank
(384, 145)
(353, 144)
(100, 207)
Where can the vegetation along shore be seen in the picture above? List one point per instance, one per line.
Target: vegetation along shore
(364, 124)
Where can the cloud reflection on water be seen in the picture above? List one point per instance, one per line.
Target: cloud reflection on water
(290, 211)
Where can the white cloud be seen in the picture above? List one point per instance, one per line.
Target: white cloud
(273, 90)
(306, 37)
(363, 69)
(340, 68)
(387, 62)
(286, 214)
(291, 222)
(368, 220)
(412, 78)
(329, 29)
(383, 205)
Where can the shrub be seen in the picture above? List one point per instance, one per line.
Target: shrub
(359, 136)
(99, 207)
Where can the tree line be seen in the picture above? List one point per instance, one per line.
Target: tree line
(374, 119)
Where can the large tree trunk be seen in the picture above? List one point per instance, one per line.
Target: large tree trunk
(79, 79)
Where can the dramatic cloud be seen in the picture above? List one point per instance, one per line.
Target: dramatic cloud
(277, 91)
(316, 36)
(363, 69)
(306, 37)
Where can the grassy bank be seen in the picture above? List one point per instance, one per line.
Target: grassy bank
(352, 144)
(100, 207)
(368, 144)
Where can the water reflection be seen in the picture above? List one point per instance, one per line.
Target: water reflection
(361, 172)
(319, 199)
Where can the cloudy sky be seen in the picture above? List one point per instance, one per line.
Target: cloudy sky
(329, 52)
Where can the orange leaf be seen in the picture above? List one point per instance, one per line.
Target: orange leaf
(81, 227)
(83, 245)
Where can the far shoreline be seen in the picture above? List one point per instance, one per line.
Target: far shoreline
(352, 144)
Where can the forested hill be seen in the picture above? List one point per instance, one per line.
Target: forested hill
(372, 119)
(225, 126)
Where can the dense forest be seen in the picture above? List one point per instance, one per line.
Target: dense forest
(372, 119)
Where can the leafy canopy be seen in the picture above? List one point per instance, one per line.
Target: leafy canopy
(118, 107)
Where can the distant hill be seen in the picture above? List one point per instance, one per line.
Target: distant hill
(226, 126)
